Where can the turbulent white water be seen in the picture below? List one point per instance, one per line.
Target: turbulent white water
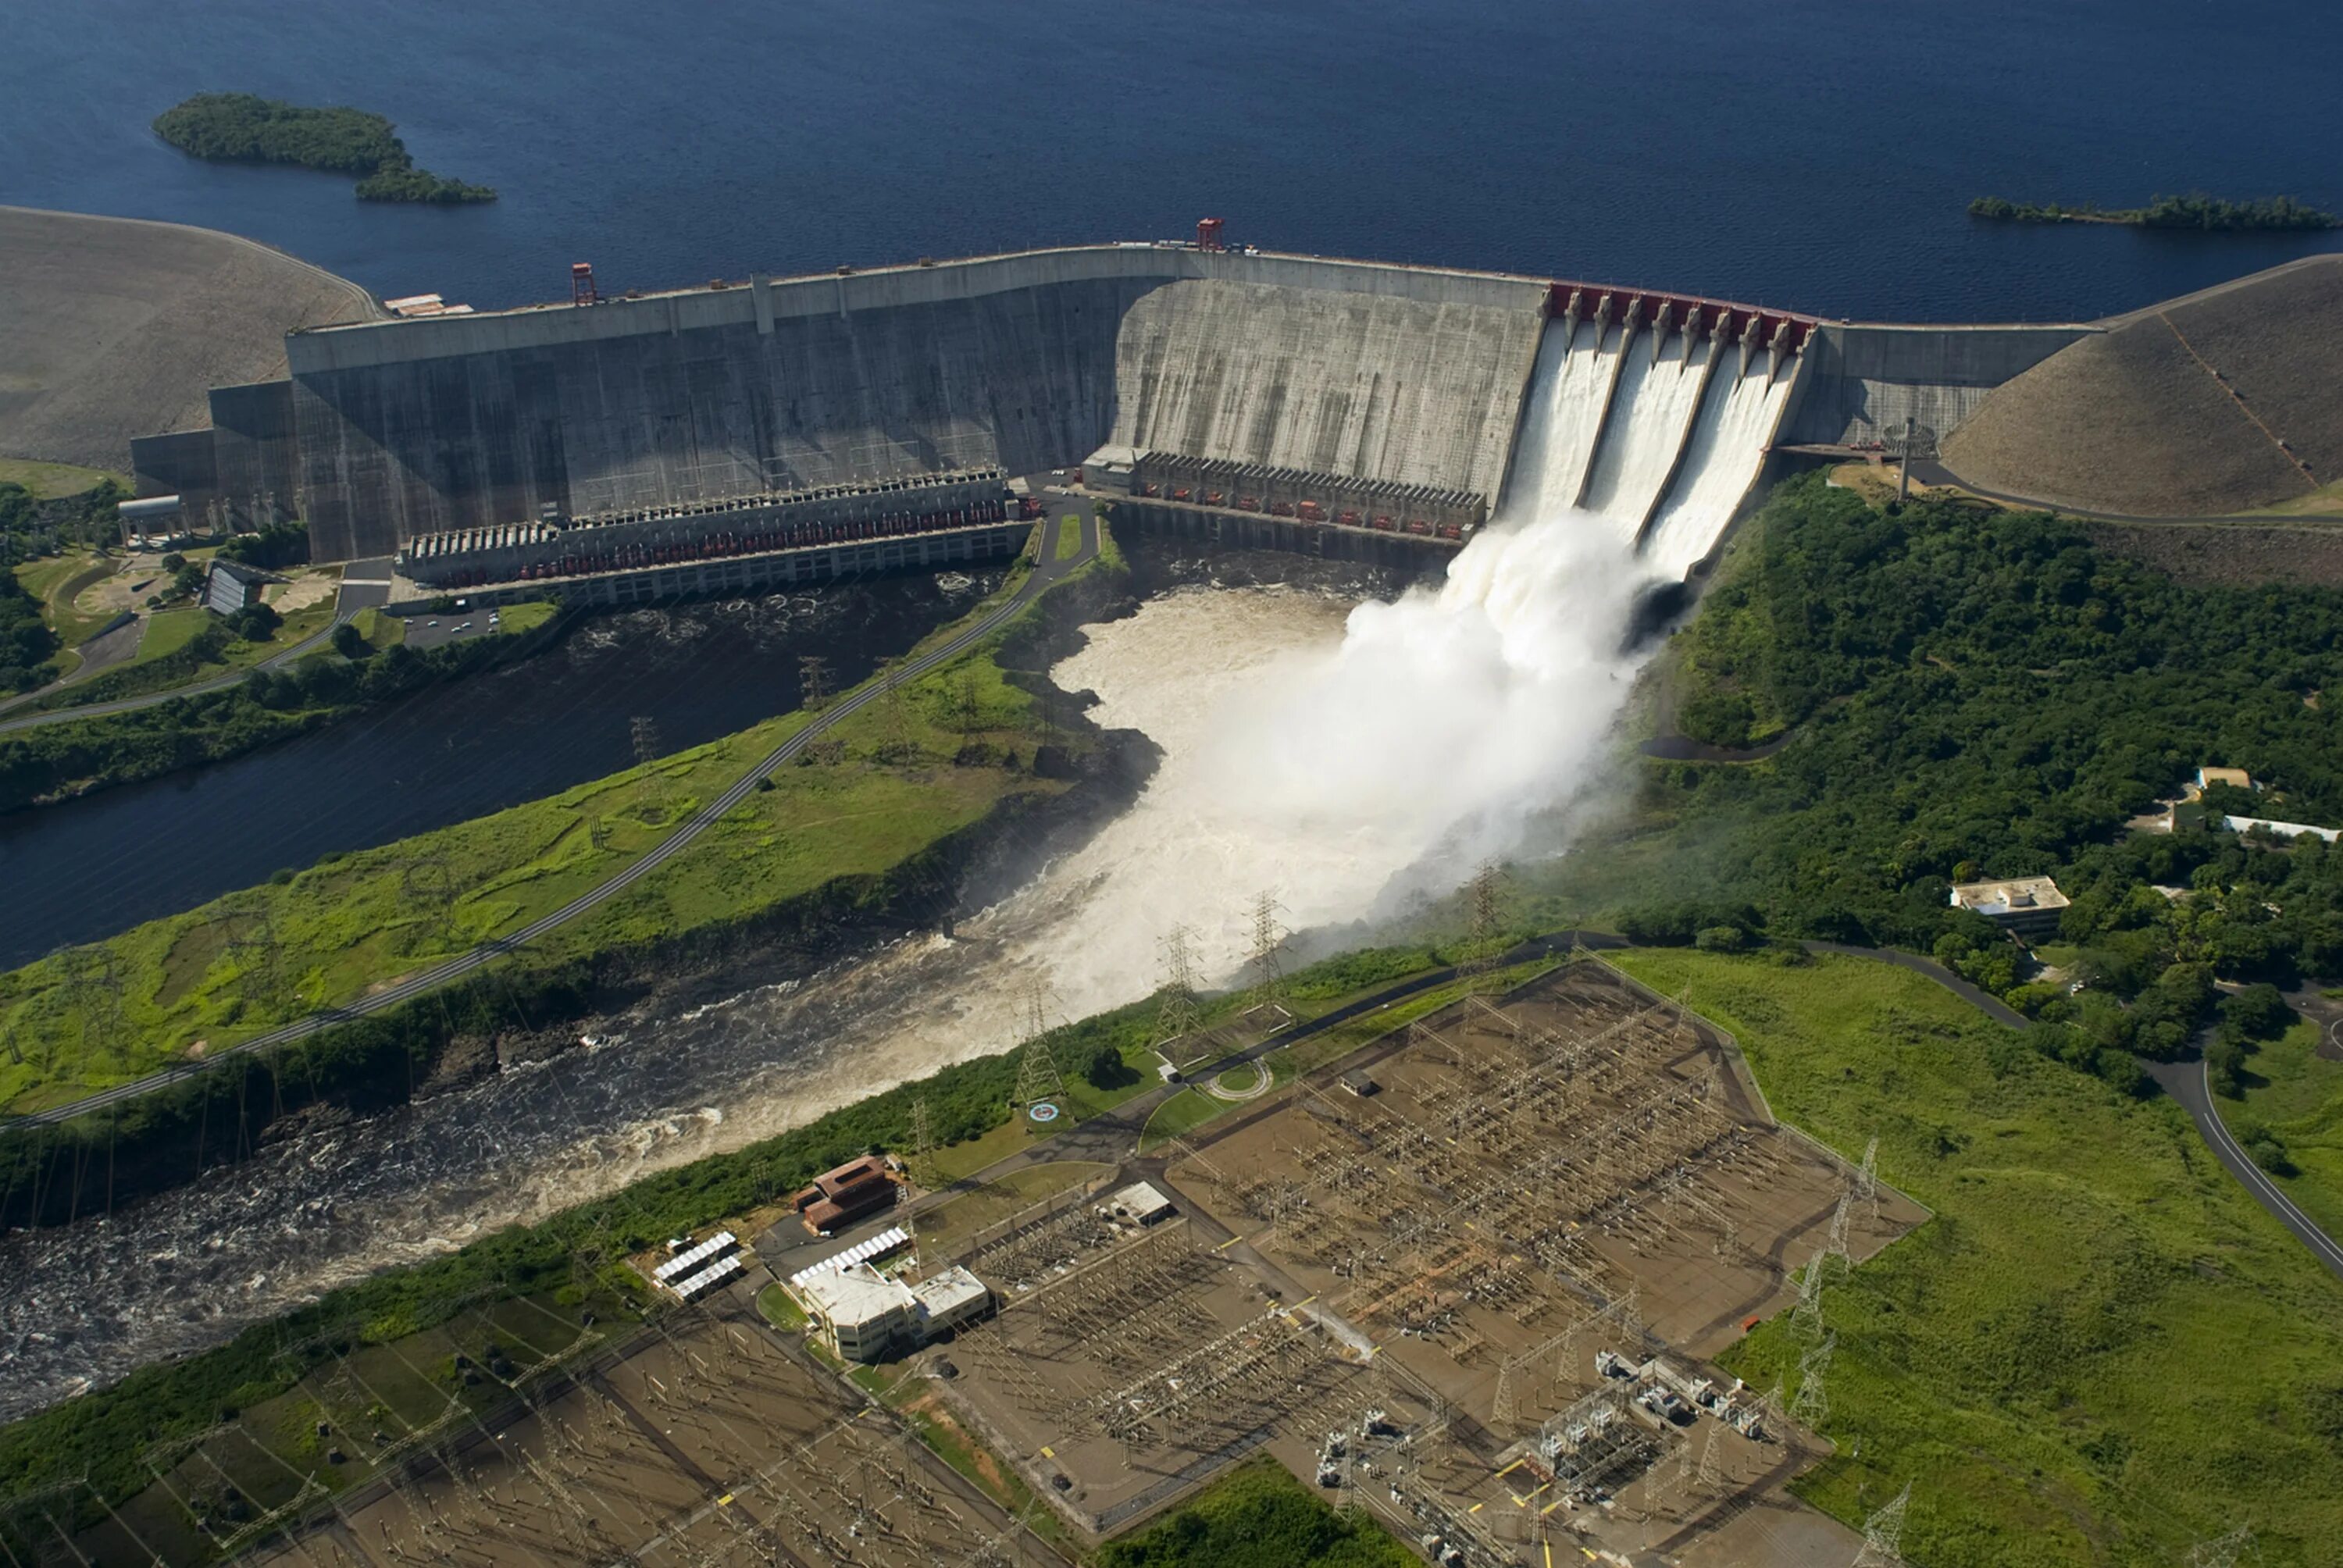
(1346, 762)
(1650, 415)
(1736, 420)
(1566, 398)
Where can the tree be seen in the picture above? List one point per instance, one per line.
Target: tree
(349, 641)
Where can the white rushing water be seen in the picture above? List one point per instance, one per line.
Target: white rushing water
(1736, 420)
(1650, 415)
(1564, 416)
(1345, 758)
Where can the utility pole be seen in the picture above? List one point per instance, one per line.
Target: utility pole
(813, 681)
(1179, 1016)
(1484, 918)
(1882, 1534)
(1268, 947)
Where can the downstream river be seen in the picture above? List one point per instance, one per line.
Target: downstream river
(671, 1083)
(519, 733)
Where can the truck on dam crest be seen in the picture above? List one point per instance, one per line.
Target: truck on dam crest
(1332, 405)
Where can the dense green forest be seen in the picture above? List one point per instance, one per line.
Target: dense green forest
(25, 641)
(1987, 695)
(245, 129)
(2197, 212)
(45, 760)
(278, 544)
(31, 527)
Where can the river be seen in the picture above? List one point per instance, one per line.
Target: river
(519, 732)
(671, 1083)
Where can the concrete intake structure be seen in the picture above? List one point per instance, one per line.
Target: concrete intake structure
(1366, 381)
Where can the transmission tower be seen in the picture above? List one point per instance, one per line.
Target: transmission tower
(1712, 1470)
(1812, 1406)
(1836, 1247)
(2223, 1552)
(1806, 1318)
(1882, 1534)
(249, 937)
(1483, 917)
(923, 1147)
(813, 681)
(1866, 1179)
(965, 706)
(1268, 947)
(1179, 1016)
(1037, 1070)
(899, 722)
(91, 993)
(643, 730)
(427, 882)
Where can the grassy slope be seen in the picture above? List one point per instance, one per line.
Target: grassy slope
(1257, 1516)
(2299, 1095)
(52, 481)
(55, 581)
(2099, 1352)
(355, 921)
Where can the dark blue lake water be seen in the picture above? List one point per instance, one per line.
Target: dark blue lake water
(1806, 153)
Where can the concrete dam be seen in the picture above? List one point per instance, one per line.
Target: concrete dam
(1308, 400)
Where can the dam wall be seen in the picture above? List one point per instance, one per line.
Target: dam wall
(1650, 408)
(1026, 362)
(1864, 380)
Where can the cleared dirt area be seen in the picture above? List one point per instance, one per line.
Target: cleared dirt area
(2223, 402)
(1476, 1299)
(118, 327)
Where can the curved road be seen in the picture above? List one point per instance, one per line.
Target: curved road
(1047, 571)
(2190, 1085)
(343, 611)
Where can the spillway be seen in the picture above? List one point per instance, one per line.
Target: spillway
(1650, 415)
(1736, 424)
(1563, 415)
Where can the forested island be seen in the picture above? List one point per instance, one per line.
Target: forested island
(245, 128)
(2197, 212)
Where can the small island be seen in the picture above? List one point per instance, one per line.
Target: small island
(2203, 213)
(245, 129)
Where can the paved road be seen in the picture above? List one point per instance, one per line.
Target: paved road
(352, 598)
(2185, 1081)
(1049, 571)
(2189, 1084)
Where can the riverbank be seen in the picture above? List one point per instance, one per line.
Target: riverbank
(47, 763)
(869, 831)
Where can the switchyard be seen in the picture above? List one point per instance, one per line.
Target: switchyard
(1468, 1279)
(714, 1444)
(1477, 1301)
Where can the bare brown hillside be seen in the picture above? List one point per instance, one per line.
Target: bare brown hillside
(111, 328)
(2217, 403)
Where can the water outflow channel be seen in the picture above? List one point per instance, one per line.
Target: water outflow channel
(92, 1301)
(518, 732)
(1344, 756)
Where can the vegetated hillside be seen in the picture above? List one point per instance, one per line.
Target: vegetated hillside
(245, 128)
(1982, 694)
(117, 329)
(2219, 403)
(2099, 1351)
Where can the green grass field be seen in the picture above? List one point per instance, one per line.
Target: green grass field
(1069, 536)
(1257, 1516)
(50, 481)
(2099, 1351)
(56, 582)
(355, 921)
(956, 1218)
(2298, 1094)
